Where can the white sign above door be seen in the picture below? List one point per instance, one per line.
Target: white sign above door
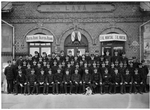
(112, 37)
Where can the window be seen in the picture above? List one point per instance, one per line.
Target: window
(40, 47)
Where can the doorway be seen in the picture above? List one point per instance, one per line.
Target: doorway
(113, 46)
(76, 45)
(40, 47)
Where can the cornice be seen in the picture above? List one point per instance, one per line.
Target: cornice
(79, 20)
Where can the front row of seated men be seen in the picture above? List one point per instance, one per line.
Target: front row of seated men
(75, 83)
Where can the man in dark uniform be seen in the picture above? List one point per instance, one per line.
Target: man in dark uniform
(38, 69)
(32, 81)
(76, 79)
(138, 82)
(79, 56)
(19, 61)
(96, 79)
(9, 77)
(67, 81)
(21, 83)
(54, 67)
(87, 57)
(24, 67)
(131, 68)
(143, 72)
(124, 58)
(42, 80)
(62, 56)
(115, 57)
(28, 70)
(58, 78)
(106, 81)
(128, 81)
(107, 57)
(47, 68)
(36, 56)
(97, 57)
(34, 64)
(102, 69)
(50, 81)
(118, 81)
(86, 79)
(44, 56)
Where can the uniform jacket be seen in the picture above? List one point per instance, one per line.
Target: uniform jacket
(9, 73)
(32, 78)
(58, 77)
(21, 79)
(86, 78)
(67, 78)
(76, 78)
(50, 78)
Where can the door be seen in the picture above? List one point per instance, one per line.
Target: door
(112, 47)
(75, 49)
(76, 45)
(40, 48)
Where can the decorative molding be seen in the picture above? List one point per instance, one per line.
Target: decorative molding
(77, 20)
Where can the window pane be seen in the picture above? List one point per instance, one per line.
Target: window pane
(33, 49)
(48, 43)
(37, 43)
(46, 49)
(42, 43)
(82, 51)
(31, 43)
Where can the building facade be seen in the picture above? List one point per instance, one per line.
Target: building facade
(56, 26)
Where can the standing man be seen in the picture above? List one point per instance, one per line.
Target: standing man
(9, 77)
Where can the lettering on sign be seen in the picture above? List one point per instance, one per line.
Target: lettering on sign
(36, 38)
(76, 8)
(113, 37)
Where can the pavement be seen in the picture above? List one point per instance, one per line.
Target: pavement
(10, 101)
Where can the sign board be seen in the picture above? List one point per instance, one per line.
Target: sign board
(76, 8)
(39, 38)
(113, 37)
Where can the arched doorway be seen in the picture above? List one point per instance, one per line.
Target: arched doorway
(76, 44)
(113, 42)
(39, 42)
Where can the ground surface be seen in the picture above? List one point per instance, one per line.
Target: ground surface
(76, 101)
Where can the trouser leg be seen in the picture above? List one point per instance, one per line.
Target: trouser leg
(65, 86)
(56, 85)
(110, 88)
(70, 87)
(130, 88)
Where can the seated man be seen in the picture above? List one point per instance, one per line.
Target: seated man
(96, 78)
(50, 81)
(21, 82)
(67, 81)
(76, 79)
(106, 80)
(86, 79)
(58, 79)
(42, 80)
(137, 81)
(118, 81)
(128, 80)
(32, 82)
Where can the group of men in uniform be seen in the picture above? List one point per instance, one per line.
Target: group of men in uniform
(72, 74)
